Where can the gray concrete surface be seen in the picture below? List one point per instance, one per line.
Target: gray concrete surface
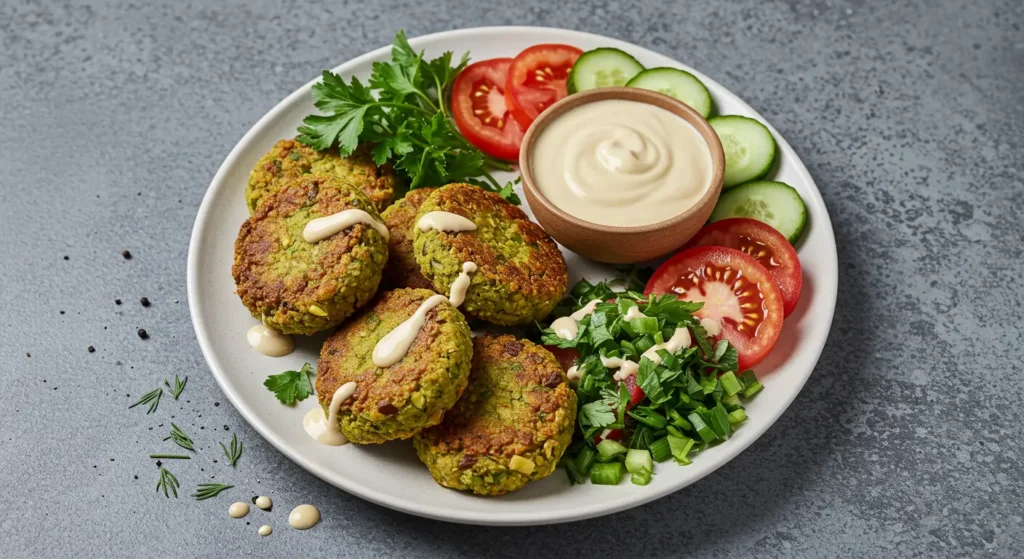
(905, 442)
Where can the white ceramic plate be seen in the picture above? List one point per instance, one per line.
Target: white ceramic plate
(390, 474)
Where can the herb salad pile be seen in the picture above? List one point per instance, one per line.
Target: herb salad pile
(402, 112)
(691, 400)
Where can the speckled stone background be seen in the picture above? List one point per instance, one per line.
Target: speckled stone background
(905, 442)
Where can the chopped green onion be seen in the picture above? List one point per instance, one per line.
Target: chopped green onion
(661, 450)
(609, 473)
(648, 417)
(638, 460)
(733, 400)
(609, 449)
(752, 389)
(709, 383)
(737, 416)
(678, 420)
(576, 477)
(693, 388)
(680, 448)
(702, 429)
(718, 418)
(641, 478)
(658, 338)
(643, 344)
(585, 459)
(748, 377)
(645, 325)
(729, 383)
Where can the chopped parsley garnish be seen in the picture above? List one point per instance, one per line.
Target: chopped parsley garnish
(690, 398)
(291, 386)
(401, 111)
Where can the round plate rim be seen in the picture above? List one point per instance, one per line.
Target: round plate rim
(818, 339)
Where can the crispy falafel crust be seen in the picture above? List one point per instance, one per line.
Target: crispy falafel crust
(521, 273)
(289, 159)
(517, 403)
(398, 401)
(299, 287)
(402, 269)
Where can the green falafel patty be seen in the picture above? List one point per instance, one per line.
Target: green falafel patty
(510, 427)
(398, 401)
(400, 217)
(299, 287)
(521, 273)
(289, 159)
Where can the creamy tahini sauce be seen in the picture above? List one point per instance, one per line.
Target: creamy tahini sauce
(269, 342)
(573, 374)
(461, 284)
(325, 429)
(634, 312)
(567, 327)
(446, 222)
(265, 530)
(328, 226)
(680, 339)
(304, 517)
(264, 502)
(393, 347)
(621, 163)
(238, 510)
(626, 367)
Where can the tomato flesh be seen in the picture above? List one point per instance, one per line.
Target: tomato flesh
(566, 356)
(537, 79)
(738, 294)
(480, 111)
(766, 245)
(636, 394)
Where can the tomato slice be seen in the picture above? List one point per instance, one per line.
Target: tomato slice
(738, 294)
(765, 244)
(480, 112)
(537, 78)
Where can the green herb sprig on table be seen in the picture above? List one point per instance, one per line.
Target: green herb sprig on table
(402, 112)
(152, 398)
(234, 451)
(179, 385)
(180, 438)
(167, 482)
(209, 490)
(691, 399)
(291, 386)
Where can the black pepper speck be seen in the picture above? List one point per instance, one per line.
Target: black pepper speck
(144, 301)
(127, 255)
(143, 334)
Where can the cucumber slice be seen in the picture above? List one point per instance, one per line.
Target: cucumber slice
(676, 83)
(605, 67)
(749, 148)
(775, 203)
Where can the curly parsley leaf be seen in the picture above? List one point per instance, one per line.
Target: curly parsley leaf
(291, 386)
(401, 112)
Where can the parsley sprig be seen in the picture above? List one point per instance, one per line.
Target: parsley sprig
(291, 386)
(691, 397)
(401, 111)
